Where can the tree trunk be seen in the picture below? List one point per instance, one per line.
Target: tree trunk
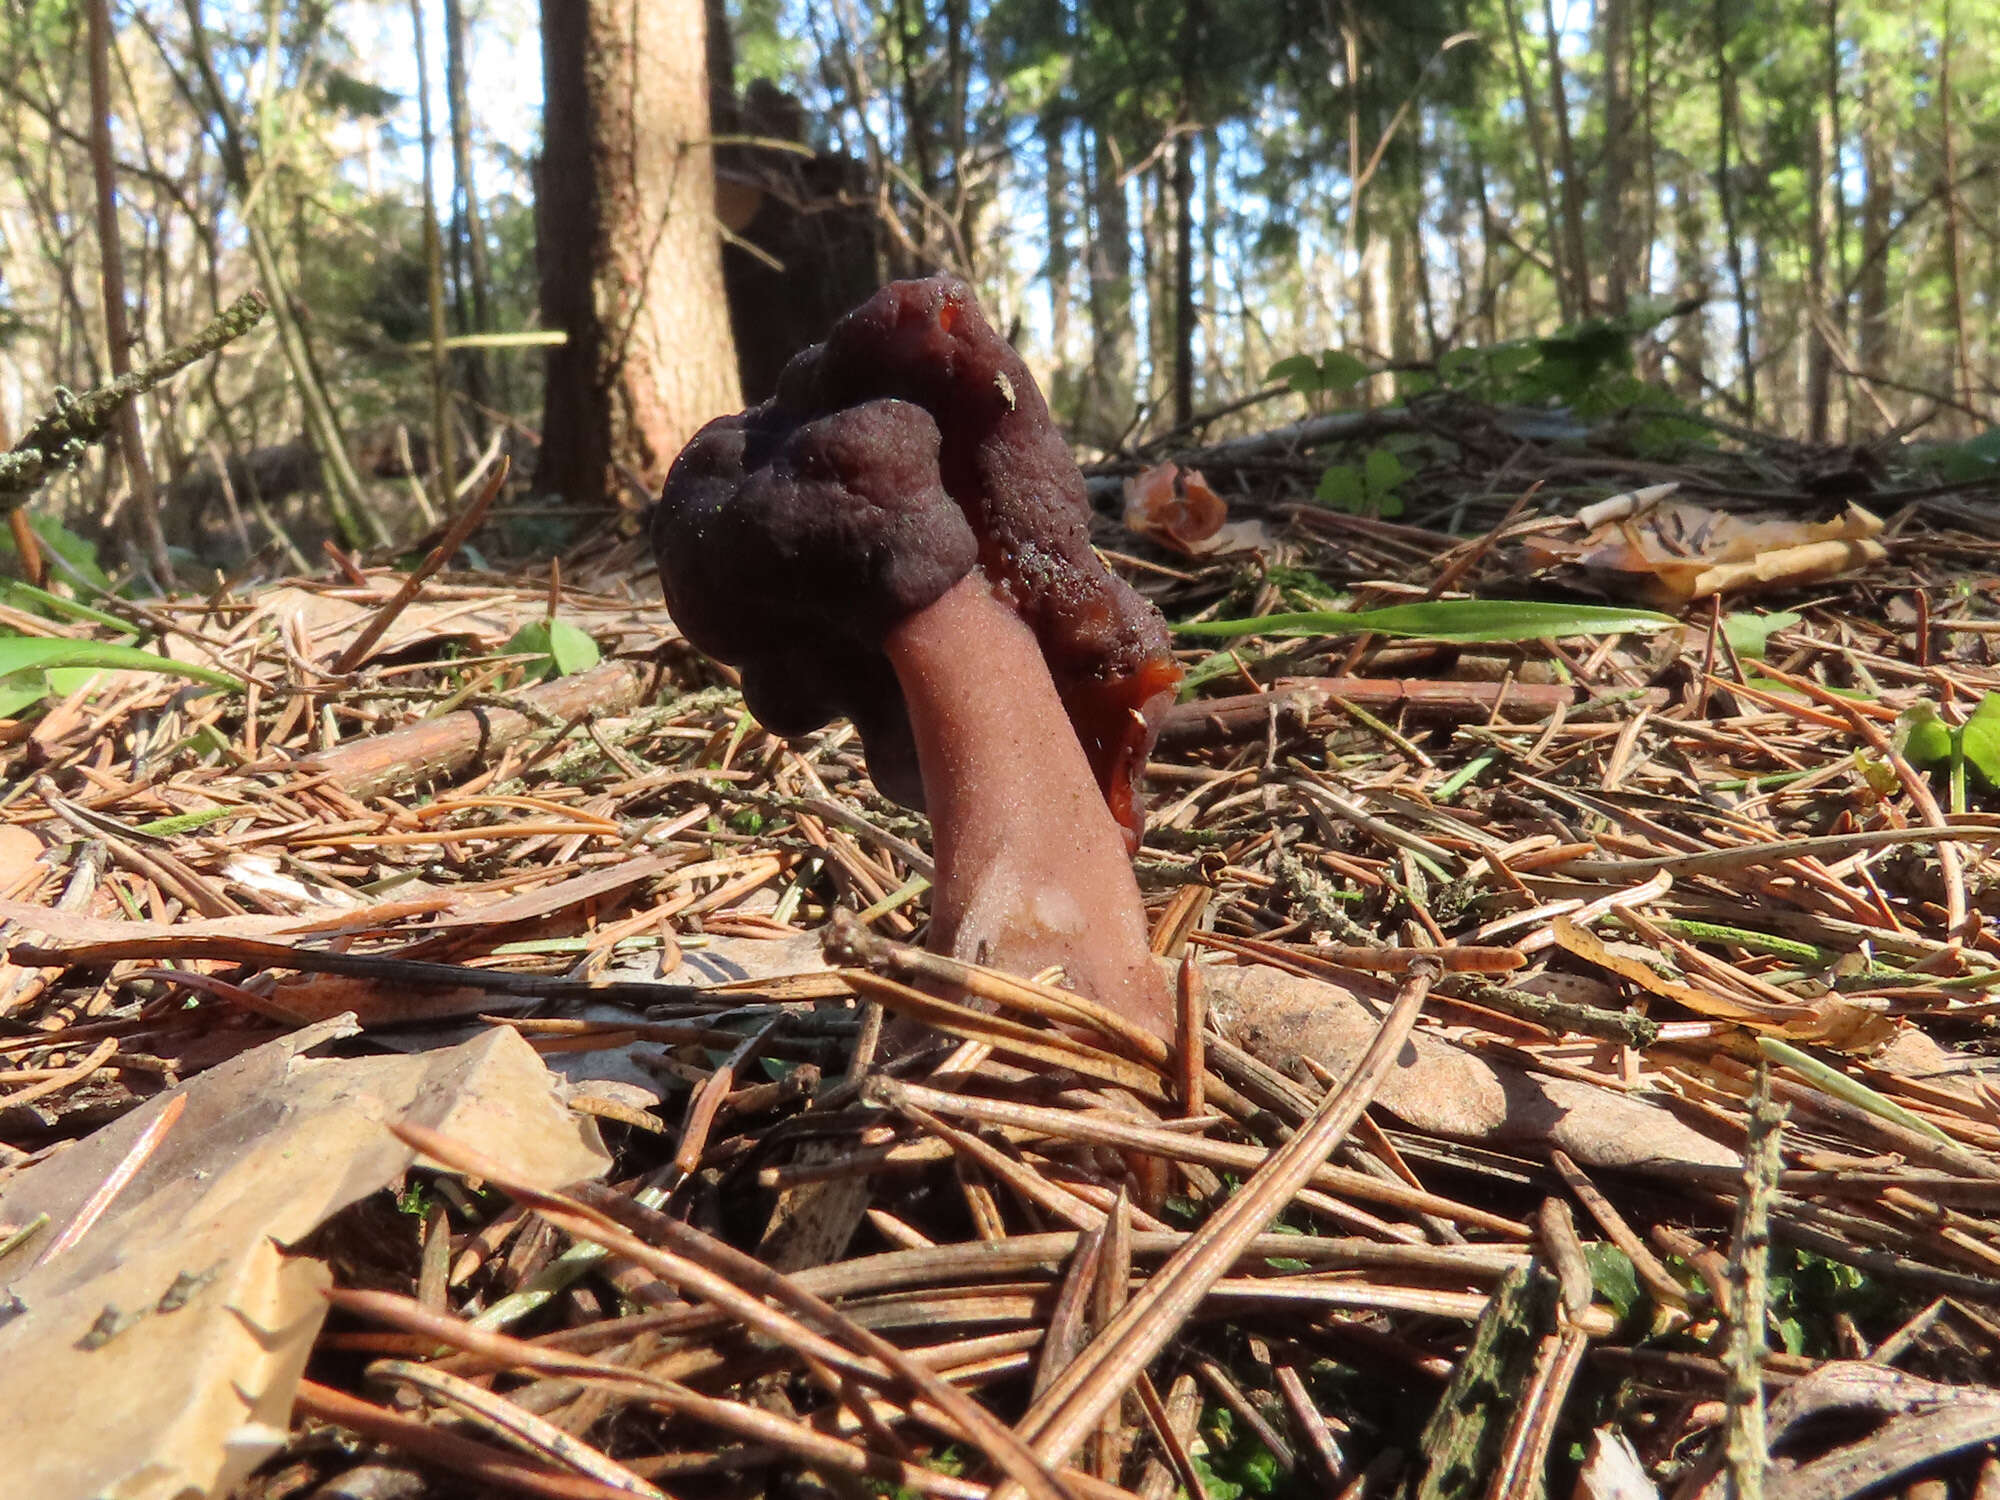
(1108, 398)
(958, 67)
(1157, 244)
(443, 440)
(1822, 166)
(1193, 41)
(1649, 228)
(1544, 180)
(1572, 182)
(1954, 243)
(142, 519)
(1690, 261)
(1877, 207)
(631, 265)
(1725, 135)
(1616, 234)
(1055, 199)
(469, 222)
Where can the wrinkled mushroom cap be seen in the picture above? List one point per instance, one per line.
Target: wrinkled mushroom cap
(909, 448)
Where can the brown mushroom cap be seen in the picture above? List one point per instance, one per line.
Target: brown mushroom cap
(910, 447)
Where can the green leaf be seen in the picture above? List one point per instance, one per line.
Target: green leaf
(1462, 620)
(24, 653)
(1612, 1275)
(1976, 458)
(573, 649)
(1979, 740)
(1926, 739)
(67, 546)
(1749, 634)
(1299, 372)
(1341, 486)
(1341, 371)
(20, 693)
(1218, 664)
(1383, 471)
(1461, 363)
(565, 650)
(1334, 370)
(1879, 774)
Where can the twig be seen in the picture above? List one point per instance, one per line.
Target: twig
(57, 440)
(1745, 1448)
(1072, 1406)
(378, 625)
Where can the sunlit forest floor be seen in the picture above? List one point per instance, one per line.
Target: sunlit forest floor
(1722, 885)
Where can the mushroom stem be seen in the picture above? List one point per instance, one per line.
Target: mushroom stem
(1031, 865)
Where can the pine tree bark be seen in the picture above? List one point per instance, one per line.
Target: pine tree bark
(1877, 208)
(1113, 356)
(475, 276)
(1572, 181)
(1690, 264)
(142, 521)
(1821, 169)
(630, 250)
(1615, 175)
(1055, 199)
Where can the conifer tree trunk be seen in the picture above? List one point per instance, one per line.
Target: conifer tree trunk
(1615, 85)
(1821, 168)
(1690, 333)
(629, 244)
(1055, 199)
(1877, 205)
(1108, 398)
(475, 276)
(142, 519)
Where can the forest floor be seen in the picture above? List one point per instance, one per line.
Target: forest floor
(1723, 892)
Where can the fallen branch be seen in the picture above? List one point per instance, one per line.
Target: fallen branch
(442, 747)
(57, 440)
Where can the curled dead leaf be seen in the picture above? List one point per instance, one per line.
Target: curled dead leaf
(1178, 508)
(20, 850)
(1669, 552)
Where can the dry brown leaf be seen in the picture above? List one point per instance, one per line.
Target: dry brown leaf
(1678, 551)
(203, 1322)
(20, 850)
(1177, 508)
(1441, 1087)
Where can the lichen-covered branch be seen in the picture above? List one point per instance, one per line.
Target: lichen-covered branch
(57, 440)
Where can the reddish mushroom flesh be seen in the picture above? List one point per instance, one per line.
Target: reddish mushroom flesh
(900, 535)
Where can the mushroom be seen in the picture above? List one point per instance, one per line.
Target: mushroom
(900, 535)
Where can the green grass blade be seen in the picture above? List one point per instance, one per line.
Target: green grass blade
(28, 653)
(1468, 621)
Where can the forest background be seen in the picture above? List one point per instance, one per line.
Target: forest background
(1782, 215)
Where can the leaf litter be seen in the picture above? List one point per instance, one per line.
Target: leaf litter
(1488, 942)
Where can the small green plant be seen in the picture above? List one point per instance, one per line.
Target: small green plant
(1749, 635)
(1975, 458)
(1369, 489)
(71, 555)
(1333, 371)
(559, 649)
(1613, 1278)
(33, 668)
(1810, 1292)
(1235, 1465)
(1929, 743)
